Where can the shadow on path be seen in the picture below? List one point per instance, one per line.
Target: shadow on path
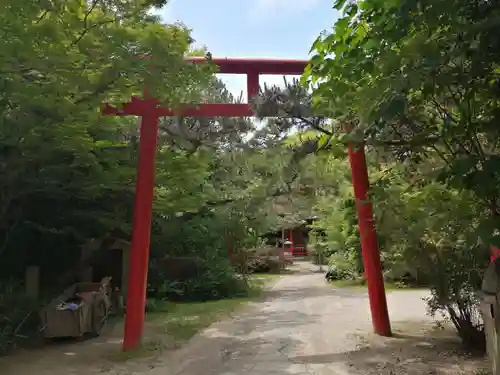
(314, 292)
(409, 354)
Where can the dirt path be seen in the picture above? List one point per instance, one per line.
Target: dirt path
(303, 327)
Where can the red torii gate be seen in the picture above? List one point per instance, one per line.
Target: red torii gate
(150, 112)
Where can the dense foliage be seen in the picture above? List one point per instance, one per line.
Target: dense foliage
(418, 82)
(67, 174)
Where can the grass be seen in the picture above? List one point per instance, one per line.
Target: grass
(183, 320)
(171, 324)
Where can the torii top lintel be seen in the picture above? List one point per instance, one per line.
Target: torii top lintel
(256, 65)
(251, 67)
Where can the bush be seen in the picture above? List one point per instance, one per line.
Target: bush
(263, 264)
(17, 316)
(260, 259)
(341, 267)
(206, 280)
(455, 277)
(190, 257)
(259, 265)
(431, 233)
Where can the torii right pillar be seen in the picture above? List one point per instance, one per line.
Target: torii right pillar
(369, 243)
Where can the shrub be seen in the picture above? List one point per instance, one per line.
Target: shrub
(17, 316)
(455, 277)
(341, 267)
(262, 259)
(205, 280)
(431, 233)
(263, 264)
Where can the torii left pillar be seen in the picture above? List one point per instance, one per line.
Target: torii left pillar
(141, 232)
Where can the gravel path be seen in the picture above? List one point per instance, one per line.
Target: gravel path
(307, 327)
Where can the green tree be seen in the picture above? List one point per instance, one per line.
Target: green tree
(421, 80)
(59, 61)
(417, 82)
(67, 173)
